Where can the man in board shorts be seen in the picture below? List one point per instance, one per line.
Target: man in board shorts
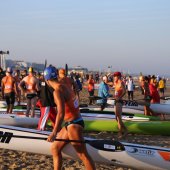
(68, 111)
(30, 87)
(9, 89)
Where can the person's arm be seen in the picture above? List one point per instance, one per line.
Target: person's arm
(60, 102)
(21, 85)
(37, 85)
(15, 87)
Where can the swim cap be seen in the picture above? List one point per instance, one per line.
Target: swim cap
(117, 74)
(31, 70)
(50, 73)
(9, 70)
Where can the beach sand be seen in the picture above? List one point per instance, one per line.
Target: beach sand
(16, 160)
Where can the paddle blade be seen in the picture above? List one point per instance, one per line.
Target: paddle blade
(106, 145)
(5, 137)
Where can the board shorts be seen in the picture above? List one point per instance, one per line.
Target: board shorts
(78, 121)
(10, 98)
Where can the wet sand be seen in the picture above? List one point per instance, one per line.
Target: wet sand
(16, 160)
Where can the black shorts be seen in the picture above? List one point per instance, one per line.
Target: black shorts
(161, 90)
(31, 96)
(10, 98)
(78, 121)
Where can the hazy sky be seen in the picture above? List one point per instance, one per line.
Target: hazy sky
(129, 35)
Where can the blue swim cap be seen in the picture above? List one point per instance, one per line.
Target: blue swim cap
(50, 73)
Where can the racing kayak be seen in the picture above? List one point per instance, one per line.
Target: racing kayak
(156, 107)
(111, 115)
(102, 151)
(147, 127)
(126, 110)
(100, 116)
(18, 120)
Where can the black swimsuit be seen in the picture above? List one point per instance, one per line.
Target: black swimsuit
(78, 121)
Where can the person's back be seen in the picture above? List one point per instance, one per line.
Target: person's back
(9, 90)
(8, 82)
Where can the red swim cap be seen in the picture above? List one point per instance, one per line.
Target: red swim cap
(117, 74)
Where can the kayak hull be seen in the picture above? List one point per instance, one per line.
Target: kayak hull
(149, 127)
(135, 156)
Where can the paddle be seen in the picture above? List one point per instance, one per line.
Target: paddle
(66, 70)
(106, 145)
(45, 64)
(125, 102)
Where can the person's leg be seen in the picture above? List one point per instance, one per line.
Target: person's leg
(132, 95)
(33, 104)
(7, 103)
(75, 132)
(12, 101)
(128, 95)
(90, 94)
(19, 97)
(28, 107)
(57, 147)
(122, 128)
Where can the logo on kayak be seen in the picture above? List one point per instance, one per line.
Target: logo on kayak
(111, 147)
(142, 152)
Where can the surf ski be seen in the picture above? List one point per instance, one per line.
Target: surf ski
(102, 151)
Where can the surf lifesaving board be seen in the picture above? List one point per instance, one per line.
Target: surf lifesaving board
(102, 151)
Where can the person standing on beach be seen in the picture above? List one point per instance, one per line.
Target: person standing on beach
(161, 86)
(29, 85)
(130, 87)
(18, 79)
(120, 91)
(104, 93)
(9, 89)
(147, 96)
(91, 83)
(67, 111)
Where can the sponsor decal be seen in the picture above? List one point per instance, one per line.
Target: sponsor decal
(139, 151)
(111, 147)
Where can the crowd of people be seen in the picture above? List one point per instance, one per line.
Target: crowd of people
(58, 97)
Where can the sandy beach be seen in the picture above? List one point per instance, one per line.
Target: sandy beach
(16, 160)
